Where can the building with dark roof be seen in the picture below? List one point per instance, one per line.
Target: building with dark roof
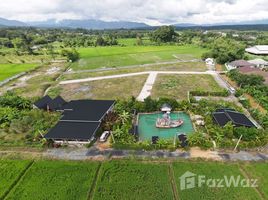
(237, 64)
(80, 121)
(47, 103)
(223, 116)
(42, 103)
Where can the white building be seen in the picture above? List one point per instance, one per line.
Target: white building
(209, 61)
(258, 50)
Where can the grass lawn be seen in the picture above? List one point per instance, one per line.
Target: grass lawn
(10, 171)
(212, 170)
(259, 171)
(9, 70)
(133, 180)
(56, 180)
(117, 88)
(177, 86)
(96, 57)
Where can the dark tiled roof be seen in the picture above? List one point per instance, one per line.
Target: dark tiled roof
(86, 110)
(237, 119)
(73, 131)
(220, 118)
(56, 104)
(241, 63)
(42, 103)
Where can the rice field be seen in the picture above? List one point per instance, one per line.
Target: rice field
(97, 57)
(9, 70)
(132, 180)
(10, 171)
(56, 180)
(127, 179)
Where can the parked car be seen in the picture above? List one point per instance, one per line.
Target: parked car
(232, 90)
(104, 136)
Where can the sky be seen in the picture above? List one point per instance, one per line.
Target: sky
(152, 12)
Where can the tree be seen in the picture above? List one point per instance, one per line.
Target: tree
(124, 117)
(164, 34)
(72, 55)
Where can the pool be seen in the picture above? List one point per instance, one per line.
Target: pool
(147, 129)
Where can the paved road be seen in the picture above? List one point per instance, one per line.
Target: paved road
(94, 153)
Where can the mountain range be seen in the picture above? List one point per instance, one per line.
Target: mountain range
(99, 24)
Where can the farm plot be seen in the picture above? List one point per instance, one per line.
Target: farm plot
(10, 172)
(211, 170)
(92, 58)
(133, 180)
(56, 180)
(116, 88)
(9, 70)
(177, 86)
(260, 172)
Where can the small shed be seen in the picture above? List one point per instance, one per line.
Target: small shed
(166, 108)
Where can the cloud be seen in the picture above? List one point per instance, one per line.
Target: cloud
(154, 12)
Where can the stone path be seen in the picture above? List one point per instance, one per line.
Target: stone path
(148, 86)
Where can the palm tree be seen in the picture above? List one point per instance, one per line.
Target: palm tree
(124, 117)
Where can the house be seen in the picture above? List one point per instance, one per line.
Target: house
(223, 116)
(237, 64)
(42, 103)
(259, 63)
(49, 104)
(80, 121)
(258, 50)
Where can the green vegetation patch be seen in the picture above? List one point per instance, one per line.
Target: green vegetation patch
(260, 172)
(56, 180)
(133, 180)
(10, 172)
(177, 86)
(211, 170)
(96, 57)
(9, 70)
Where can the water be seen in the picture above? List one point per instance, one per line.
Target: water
(147, 127)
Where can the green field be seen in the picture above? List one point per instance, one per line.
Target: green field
(177, 86)
(125, 179)
(9, 70)
(10, 171)
(212, 170)
(96, 57)
(56, 180)
(260, 171)
(132, 180)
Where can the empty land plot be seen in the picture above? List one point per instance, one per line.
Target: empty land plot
(133, 180)
(9, 70)
(212, 170)
(10, 172)
(96, 57)
(183, 66)
(177, 86)
(260, 172)
(56, 180)
(116, 88)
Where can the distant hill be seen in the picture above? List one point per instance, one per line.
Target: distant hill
(7, 22)
(89, 24)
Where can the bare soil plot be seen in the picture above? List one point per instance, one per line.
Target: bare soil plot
(177, 86)
(102, 89)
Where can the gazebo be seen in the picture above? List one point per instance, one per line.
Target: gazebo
(166, 108)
